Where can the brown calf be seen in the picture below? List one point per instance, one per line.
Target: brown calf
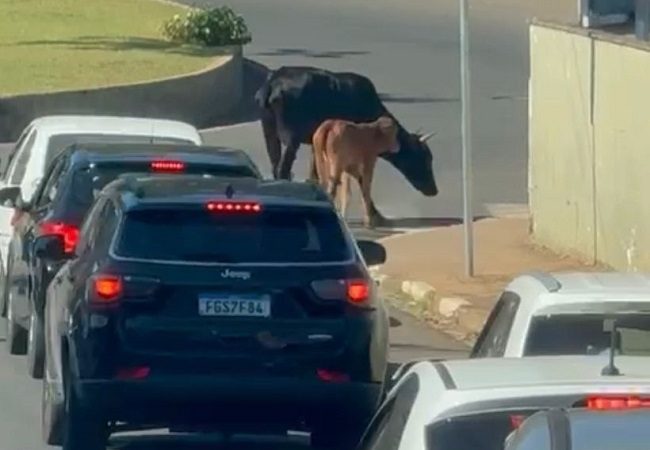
(344, 150)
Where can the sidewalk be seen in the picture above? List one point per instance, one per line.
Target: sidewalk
(424, 273)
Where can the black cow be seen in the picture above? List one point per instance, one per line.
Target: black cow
(295, 100)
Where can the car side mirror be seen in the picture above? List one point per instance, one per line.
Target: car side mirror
(50, 247)
(373, 252)
(9, 196)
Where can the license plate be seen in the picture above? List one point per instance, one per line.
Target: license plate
(234, 306)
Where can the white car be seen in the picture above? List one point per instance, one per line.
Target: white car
(564, 314)
(45, 137)
(474, 404)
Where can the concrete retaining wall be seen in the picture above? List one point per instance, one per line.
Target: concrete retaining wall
(202, 99)
(590, 145)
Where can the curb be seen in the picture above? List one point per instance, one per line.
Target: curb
(201, 98)
(454, 315)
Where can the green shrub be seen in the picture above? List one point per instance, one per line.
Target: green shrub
(210, 27)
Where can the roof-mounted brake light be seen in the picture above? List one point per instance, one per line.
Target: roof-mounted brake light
(167, 166)
(617, 402)
(234, 207)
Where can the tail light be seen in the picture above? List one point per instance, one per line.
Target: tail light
(133, 373)
(617, 402)
(167, 166)
(69, 233)
(234, 207)
(332, 376)
(106, 289)
(109, 290)
(355, 291)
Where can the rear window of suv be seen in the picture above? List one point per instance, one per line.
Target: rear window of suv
(87, 182)
(484, 431)
(306, 235)
(60, 142)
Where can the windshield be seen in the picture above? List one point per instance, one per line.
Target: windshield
(572, 334)
(60, 142)
(273, 236)
(486, 431)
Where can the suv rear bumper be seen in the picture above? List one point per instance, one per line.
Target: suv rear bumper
(176, 399)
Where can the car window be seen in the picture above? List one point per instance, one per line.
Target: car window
(584, 334)
(535, 435)
(386, 428)
(11, 158)
(271, 236)
(107, 222)
(60, 142)
(88, 230)
(17, 172)
(87, 181)
(49, 186)
(485, 431)
(493, 338)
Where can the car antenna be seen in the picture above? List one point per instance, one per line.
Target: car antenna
(230, 191)
(610, 369)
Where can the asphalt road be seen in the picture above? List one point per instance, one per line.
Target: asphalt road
(20, 396)
(410, 49)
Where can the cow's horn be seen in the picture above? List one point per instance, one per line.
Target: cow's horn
(426, 137)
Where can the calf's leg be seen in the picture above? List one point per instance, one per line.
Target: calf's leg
(372, 217)
(344, 195)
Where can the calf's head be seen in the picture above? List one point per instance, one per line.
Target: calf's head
(415, 161)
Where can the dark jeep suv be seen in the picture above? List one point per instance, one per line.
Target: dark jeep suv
(231, 303)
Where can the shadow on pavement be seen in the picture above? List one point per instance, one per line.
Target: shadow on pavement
(127, 43)
(389, 98)
(393, 225)
(307, 53)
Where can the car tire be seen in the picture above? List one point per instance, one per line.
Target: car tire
(51, 419)
(35, 346)
(16, 334)
(83, 428)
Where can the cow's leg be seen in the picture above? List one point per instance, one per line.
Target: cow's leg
(372, 217)
(287, 160)
(272, 140)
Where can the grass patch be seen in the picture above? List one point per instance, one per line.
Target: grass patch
(50, 45)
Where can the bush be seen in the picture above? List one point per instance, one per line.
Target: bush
(210, 27)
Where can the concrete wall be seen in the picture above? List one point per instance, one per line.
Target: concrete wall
(202, 99)
(590, 145)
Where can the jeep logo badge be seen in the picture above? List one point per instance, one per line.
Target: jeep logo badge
(238, 274)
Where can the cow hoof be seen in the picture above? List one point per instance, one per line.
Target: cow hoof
(376, 221)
